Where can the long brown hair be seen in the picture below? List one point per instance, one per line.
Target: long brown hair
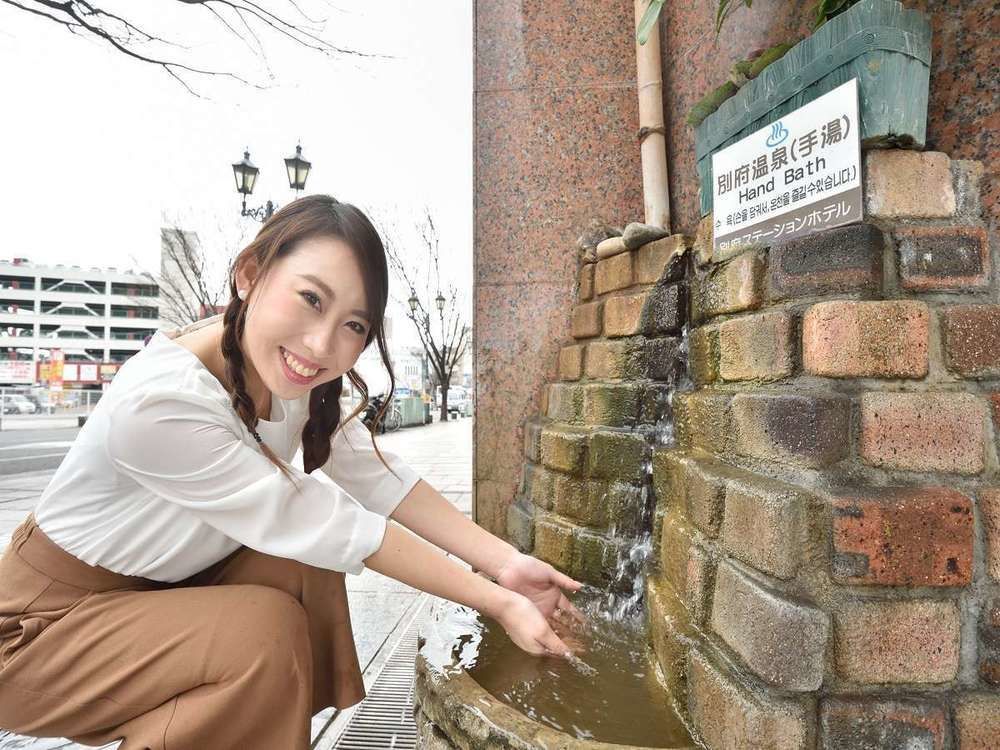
(311, 216)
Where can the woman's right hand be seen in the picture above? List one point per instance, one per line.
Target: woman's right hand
(528, 628)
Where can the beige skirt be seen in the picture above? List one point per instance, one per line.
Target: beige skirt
(239, 655)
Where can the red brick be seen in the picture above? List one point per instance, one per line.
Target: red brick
(943, 258)
(790, 428)
(977, 722)
(613, 273)
(867, 723)
(908, 184)
(901, 536)
(846, 339)
(972, 339)
(571, 362)
(924, 431)
(757, 347)
(911, 641)
(733, 287)
(586, 282)
(989, 509)
(586, 320)
(847, 259)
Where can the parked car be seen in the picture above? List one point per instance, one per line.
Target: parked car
(18, 404)
(459, 402)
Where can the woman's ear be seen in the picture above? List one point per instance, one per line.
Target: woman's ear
(246, 273)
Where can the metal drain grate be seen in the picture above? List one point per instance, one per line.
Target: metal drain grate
(384, 720)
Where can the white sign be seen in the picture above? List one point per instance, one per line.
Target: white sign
(17, 371)
(798, 175)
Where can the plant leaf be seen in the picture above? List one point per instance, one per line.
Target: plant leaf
(648, 20)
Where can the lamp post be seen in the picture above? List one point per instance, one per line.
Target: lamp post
(246, 174)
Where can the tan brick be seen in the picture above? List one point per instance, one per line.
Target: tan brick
(620, 358)
(564, 450)
(845, 339)
(586, 320)
(554, 542)
(911, 641)
(924, 431)
(733, 287)
(660, 259)
(903, 184)
(571, 362)
(586, 282)
(703, 356)
(613, 273)
(757, 347)
(623, 316)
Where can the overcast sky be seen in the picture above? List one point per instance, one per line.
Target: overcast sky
(95, 149)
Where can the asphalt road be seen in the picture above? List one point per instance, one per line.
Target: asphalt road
(34, 450)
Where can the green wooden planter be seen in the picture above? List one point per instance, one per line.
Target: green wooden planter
(879, 42)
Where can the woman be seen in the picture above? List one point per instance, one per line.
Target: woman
(180, 584)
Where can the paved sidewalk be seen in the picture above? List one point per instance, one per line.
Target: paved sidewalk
(441, 453)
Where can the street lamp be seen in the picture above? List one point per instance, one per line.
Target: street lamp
(440, 302)
(413, 302)
(246, 174)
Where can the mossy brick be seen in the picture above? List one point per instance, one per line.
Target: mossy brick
(611, 404)
(943, 258)
(581, 499)
(623, 314)
(798, 429)
(564, 450)
(619, 358)
(786, 644)
(571, 361)
(902, 536)
(617, 455)
(885, 339)
(669, 478)
(913, 641)
(554, 542)
(663, 359)
(971, 336)
(660, 261)
(521, 526)
(701, 568)
(730, 288)
(586, 282)
(925, 431)
(533, 439)
(757, 347)
(703, 355)
(586, 320)
(595, 559)
(835, 261)
(854, 724)
(624, 505)
(542, 489)
(655, 408)
(666, 309)
(705, 484)
(565, 403)
(676, 538)
(729, 715)
(527, 475)
(702, 420)
(613, 273)
(764, 524)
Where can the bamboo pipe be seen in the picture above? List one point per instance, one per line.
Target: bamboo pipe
(652, 138)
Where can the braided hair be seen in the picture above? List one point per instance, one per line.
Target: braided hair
(310, 216)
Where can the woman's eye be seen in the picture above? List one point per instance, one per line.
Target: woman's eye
(310, 296)
(358, 328)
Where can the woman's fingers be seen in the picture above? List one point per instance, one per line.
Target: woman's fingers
(564, 581)
(566, 605)
(553, 644)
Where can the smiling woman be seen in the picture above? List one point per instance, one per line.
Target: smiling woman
(179, 568)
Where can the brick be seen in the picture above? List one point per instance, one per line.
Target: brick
(701, 567)
(968, 185)
(618, 455)
(705, 484)
(796, 429)
(703, 355)
(611, 404)
(733, 287)
(704, 240)
(585, 282)
(875, 724)
(595, 559)
(580, 499)
(654, 408)
(565, 403)
(665, 309)
(844, 339)
(533, 439)
(787, 641)
(676, 540)
(729, 716)
(903, 184)
(971, 335)
(977, 722)
(625, 506)
(620, 358)
(903, 536)
(911, 641)
(613, 273)
(664, 360)
(764, 524)
(757, 347)
(540, 486)
(564, 450)
(521, 526)
(554, 542)
(660, 261)
(702, 420)
(668, 466)
(623, 316)
(924, 431)
(571, 362)
(586, 320)
(943, 258)
(989, 643)
(847, 259)
(989, 510)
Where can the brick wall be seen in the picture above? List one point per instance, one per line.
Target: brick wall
(829, 518)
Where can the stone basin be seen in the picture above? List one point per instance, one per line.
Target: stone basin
(453, 710)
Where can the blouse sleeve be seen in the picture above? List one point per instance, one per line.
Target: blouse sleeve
(354, 465)
(187, 449)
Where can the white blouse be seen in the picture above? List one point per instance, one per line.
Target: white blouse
(164, 478)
